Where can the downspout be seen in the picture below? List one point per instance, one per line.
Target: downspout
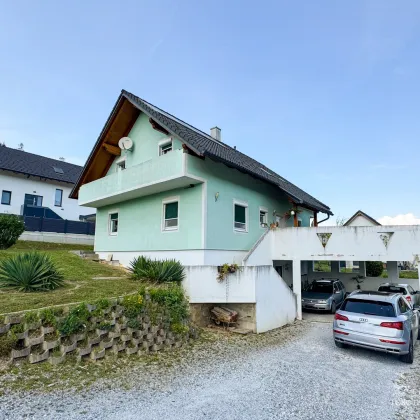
(324, 220)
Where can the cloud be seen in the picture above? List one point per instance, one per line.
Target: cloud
(400, 219)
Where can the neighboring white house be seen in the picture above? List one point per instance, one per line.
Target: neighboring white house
(39, 182)
(361, 219)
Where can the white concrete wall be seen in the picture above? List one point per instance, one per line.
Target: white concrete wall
(197, 257)
(20, 185)
(201, 285)
(60, 238)
(345, 244)
(276, 303)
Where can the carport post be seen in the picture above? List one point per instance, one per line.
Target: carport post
(297, 287)
(418, 269)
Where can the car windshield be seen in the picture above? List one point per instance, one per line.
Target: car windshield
(394, 289)
(369, 307)
(319, 287)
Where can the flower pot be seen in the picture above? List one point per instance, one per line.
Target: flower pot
(125, 337)
(34, 341)
(114, 334)
(78, 337)
(22, 335)
(68, 348)
(33, 326)
(84, 351)
(13, 319)
(106, 344)
(116, 348)
(93, 340)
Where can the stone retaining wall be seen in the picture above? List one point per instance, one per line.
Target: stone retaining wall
(38, 343)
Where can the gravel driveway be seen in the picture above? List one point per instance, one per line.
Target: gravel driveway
(302, 377)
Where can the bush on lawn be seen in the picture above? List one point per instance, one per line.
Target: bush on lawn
(374, 268)
(30, 272)
(11, 227)
(159, 271)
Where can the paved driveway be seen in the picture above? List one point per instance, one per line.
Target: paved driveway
(306, 378)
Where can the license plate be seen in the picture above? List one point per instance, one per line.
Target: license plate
(363, 320)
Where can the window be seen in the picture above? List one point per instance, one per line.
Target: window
(263, 217)
(113, 223)
(411, 290)
(321, 287)
(33, 200)
(393, 289)
(165, 148)
(299, 222)
(349, 266)
(58, 170)
(371, 307)
(170, 215)
(120, 165)
(402, 306)
(58, 200)
(6, 197)
(240, 217)
(322, 266)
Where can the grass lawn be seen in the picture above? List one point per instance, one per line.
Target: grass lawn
(406, 274)
(78, 274)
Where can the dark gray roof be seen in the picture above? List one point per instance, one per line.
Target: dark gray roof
(361, 213)
(206, 145)
(22, 162)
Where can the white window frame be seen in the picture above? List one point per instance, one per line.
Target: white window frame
(110, 233)
(243, 204)
(265, 210)
(118, 163)
(170, 200)
(165, 142)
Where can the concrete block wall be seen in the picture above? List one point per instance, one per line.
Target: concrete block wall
(37, 343)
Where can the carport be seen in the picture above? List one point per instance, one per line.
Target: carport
(293, 251)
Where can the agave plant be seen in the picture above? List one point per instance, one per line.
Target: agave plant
(30, 272)
(158, 271)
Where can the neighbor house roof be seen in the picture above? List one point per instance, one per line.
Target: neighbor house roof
(205, 145)
(19, 161)
(362, 214)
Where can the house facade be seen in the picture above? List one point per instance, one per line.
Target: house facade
(180, 193)
(37, 185)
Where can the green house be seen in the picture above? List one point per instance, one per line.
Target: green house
(165, 189)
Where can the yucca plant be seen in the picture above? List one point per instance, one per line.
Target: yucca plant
(30, 272)
(159, 271)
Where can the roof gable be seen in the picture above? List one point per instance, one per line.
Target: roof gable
(19, 161)
(205, 145)
(360, 213)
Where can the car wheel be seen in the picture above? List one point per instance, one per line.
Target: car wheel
(333, 308)
(409, 357)
(340, 345)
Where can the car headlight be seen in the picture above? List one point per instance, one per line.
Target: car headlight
(322, 301)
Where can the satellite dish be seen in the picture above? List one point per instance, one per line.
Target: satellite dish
(125, 143)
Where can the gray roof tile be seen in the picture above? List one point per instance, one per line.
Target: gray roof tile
(206, 145)
(22, 162)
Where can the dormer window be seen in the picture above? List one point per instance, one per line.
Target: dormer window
(165, 147)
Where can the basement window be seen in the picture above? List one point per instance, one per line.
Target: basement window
(170, 214)
(240, 217)
(165, 148)
(113, 223)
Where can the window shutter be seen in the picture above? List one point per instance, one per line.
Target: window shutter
(171, 211)
(239, 214)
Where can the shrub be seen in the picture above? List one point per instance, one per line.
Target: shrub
(172, 298)
(11, 227)
(159, 271)
(30, 272)
(133, 305)
(75, 321)
(7, 343)
(48, 318)
(31, 317)
(374, 268)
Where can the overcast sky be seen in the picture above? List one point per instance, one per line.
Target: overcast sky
(325, 93)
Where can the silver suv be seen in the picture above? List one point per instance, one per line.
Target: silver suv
(379, 321)
(409, 293)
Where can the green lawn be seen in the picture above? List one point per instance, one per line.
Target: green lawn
(78, 274)
(407, 274)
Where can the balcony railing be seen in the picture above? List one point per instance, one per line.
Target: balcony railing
(155, 175)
